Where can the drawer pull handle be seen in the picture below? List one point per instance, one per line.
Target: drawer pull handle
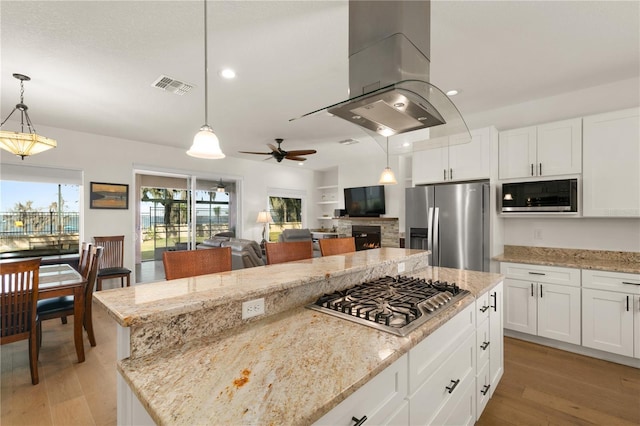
(531, 289)
(484, 309)
(485, 389)
(453, 385)
(540, 169)
(358, 421)
(537, 273)
(484, 346)
(444, 174)
(541, 291)
(627, 303)
(531, 169)
(627, 282)
(495, 301)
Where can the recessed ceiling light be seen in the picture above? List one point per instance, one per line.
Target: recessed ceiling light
(452, 92)
(300, 163)
(228, 73)
(406, 144)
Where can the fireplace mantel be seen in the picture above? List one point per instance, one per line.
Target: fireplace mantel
(389, 228)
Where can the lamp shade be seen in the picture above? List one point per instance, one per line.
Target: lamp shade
(206, 145)
(264, 217)
(387, 177)
(25, 144)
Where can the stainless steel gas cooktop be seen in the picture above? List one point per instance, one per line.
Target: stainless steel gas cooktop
(396, 305)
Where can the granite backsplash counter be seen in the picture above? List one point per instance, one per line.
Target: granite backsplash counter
(602, 260)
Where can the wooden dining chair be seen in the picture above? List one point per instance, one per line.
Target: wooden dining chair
(58, 307)
(112, 262)
(83, 263)
(331, 246)
(18, 299)
(190, 263)
(287, 252)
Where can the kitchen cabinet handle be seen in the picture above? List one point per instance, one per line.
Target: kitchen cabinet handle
(540, 166)
(627, 282)
(484, 309)
(358, 421)
(484, 346)
(541, 291)
(453, 386)
(531, 169)
(450, 173)
(531, 289)
(536, 273)
(444, 174)
(495, 301)
(627, 303)
(485, 389)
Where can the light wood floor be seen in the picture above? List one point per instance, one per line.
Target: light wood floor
(540, 386)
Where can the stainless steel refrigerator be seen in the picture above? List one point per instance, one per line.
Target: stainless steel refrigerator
(452, 221)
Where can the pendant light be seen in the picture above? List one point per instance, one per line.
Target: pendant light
(205, 142)
(387, 177)
(20, 143)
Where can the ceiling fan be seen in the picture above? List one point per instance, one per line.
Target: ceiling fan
(280, 154)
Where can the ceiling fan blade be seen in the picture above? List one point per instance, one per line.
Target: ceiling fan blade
(294, 158)
(273, 147)
(303, 152)
(251, 152)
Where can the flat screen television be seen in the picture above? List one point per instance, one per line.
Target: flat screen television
(364, 201)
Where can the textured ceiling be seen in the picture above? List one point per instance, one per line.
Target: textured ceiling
(92, 64)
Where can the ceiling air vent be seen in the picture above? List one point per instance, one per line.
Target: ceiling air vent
(348, 142)
(171, 85)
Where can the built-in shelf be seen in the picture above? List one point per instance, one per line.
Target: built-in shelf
(328, 202)
(328, 187)
(327, 218)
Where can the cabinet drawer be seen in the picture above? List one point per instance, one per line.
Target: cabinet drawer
(380, 399)
(483, 344)
(482, 308)
(612, 281)
(543, 274)
(429, 354)
(483, 389)
(447, 383)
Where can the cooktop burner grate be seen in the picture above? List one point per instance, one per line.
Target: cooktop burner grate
(394, 304)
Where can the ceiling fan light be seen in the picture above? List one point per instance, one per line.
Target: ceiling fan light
(387, 177)
(206, 145)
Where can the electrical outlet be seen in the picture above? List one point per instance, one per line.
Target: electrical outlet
(252, 308)
(400, 267)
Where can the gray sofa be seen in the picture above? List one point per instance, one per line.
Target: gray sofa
(244, 253)
(288, 235)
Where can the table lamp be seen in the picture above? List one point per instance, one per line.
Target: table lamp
(265, 218)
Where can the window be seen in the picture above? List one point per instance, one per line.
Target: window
(39, 211)
(286, 213)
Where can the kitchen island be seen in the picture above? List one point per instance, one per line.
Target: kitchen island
(188, 357)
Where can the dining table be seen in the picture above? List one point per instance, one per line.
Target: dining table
(63, 280)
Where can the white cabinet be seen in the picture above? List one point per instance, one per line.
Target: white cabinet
(611, 164)
(546, 150)
(611, 312)
(489, 346)
(543, 301)
(454, 161)
(381, 400)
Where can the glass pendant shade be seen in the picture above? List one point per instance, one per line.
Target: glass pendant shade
(206, 145)
(387, 177)
(25, 144)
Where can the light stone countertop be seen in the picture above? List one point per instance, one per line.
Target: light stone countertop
(289, 368)
(601, 260)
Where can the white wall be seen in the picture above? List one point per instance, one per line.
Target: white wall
(105, 159)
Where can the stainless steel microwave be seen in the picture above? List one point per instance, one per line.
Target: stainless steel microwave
(541, 196)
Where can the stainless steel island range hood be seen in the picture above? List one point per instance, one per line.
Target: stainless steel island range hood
(389, 89)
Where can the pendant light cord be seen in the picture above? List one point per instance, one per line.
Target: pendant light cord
(206, 79)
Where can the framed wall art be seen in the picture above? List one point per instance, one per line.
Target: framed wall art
(109, 196)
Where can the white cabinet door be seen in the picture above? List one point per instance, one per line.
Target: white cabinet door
(471, 160)
(496, 354)
(606, 323)
(517, 153)
(559, 312)
(636, 326)
(430, 166)
(520, 305)
(559, 148)
(611, 164)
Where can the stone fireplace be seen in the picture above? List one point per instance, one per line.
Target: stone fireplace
(388, 229)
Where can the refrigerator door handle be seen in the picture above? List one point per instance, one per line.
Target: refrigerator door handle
(430, 230)
(435, 237)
